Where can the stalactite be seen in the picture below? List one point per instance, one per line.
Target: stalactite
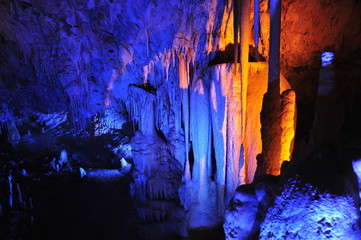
(218, 93)
(244, 69)
(203, 208)
(157, 190)
(140, 105)
(256, 27)
(166, 62)
(271, 111)
(274, 55)
(79, 109)
(244, 47)
(226, 29)
(110, 86)
(138, 189)
(225, 103)
(184, 88)
(147, 35)
(200, 131)
(234, 132)
(147, 69)
(236, 13)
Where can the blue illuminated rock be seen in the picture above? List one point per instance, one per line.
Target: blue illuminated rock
(246, 210)
(303, 211)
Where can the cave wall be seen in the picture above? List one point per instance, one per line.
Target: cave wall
(81, 55)
(308, 29)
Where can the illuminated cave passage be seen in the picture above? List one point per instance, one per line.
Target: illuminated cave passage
(219, 119)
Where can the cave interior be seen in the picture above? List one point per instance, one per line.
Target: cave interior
(189, 119)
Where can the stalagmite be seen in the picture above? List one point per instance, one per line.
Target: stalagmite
(63, 159)
(24, 173)
(82, 172)
(271, 111)
(329, 109)
(126, 167)
(288, 124)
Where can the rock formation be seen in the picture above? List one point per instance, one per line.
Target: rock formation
(200, 97)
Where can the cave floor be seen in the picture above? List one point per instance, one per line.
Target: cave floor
(66, 207)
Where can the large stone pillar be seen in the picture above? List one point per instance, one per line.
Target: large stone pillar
(271, 111)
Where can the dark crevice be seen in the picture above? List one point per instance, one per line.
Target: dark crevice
(214, 161)
(191, 159)
(146, 86)
(227, 56)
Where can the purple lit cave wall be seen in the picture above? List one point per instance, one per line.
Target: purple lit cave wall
(188, 119)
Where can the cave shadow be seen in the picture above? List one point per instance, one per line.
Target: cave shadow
(227, 56)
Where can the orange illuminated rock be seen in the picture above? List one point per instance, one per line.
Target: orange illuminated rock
(288, 124)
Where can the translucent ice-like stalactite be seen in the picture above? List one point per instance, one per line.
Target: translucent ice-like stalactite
(219, 130)
(200, 132)
(141, 110)
(184, 88)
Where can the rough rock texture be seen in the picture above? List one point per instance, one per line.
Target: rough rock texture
(302, 211)
(288, 123)
(248, 207)
(157, 177)
(308, 29)
(317, 198)
(356, 165)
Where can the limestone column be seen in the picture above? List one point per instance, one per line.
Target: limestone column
(271, 110)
